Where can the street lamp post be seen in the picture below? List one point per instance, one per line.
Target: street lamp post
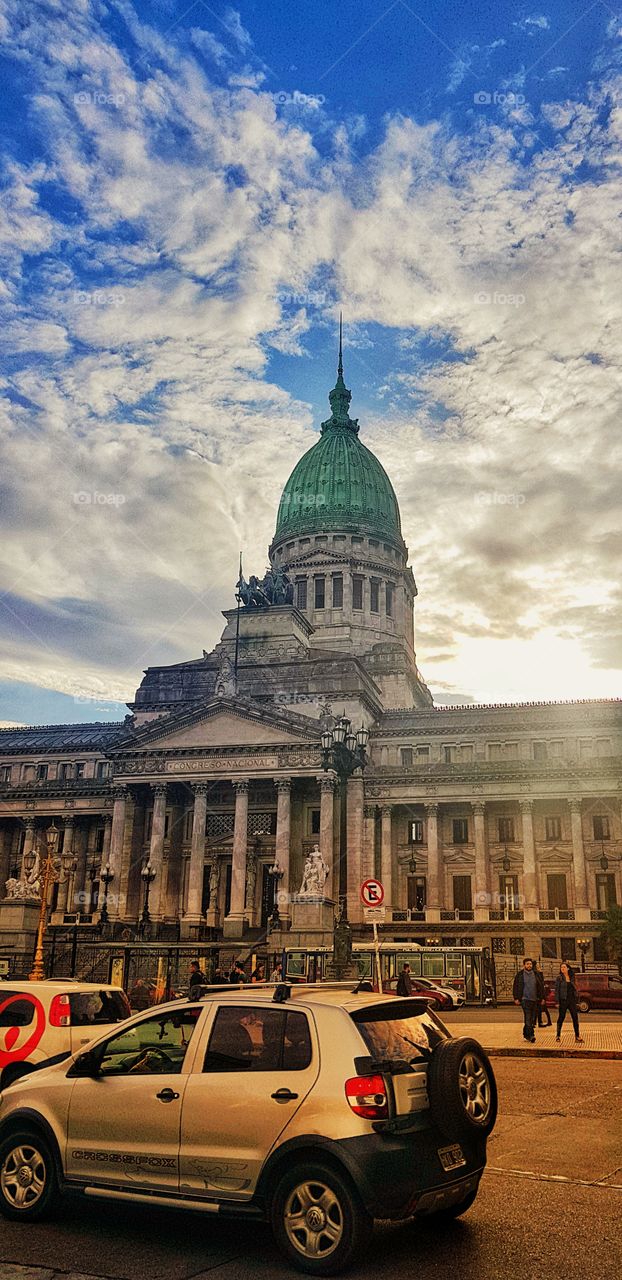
(506, 864)
(49, 874)
(276, 873)
(344, 752)
(106, 876)
(147, 875)
(583, 945)
(604, 861)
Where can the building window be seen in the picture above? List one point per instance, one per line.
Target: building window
(553, 828)
(569, 950)
(320, 592)
(406, 757)
(28, 772)
(539, 751)
(557, 892)
(99, 840)
(460, 828)
(373, 542)
(495, 751)
(301, 593)
(585, 748)
(508, 892)
(63, 772)
(498, 946)
(416, 831)
(321, 540)
(103, 769)
(511, 751)
(517, 946)
(450, 755)
(167, 823)
(606, 891)
(601, 826)
(5, 773)
(416, 893)
(313, 822)
(42, 772)
(603, 746)
(79, 767)
(374, 595)
(357, 592)
(549, 948)
(337, 591)
(462, 893)
(506, 830)
(556, 748)
(389, 597)
(422, 753)
(357, 541)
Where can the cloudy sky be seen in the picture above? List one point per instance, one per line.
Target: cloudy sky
(190, 193)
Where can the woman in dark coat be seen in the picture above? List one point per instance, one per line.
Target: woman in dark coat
(566, 997)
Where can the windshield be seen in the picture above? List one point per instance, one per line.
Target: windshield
(398, 1033)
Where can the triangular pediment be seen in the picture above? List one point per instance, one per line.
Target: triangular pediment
(318, 556)
(223, 723)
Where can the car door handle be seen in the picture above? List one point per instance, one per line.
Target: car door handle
(167, 1095)
(284, 1095)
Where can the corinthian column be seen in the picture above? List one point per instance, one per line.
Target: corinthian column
(282, 847)
(530, 883)
(117, 836)
(234, 923)
(482, 887)
(578, 862)
(355, 845)
(197, 855)
(66, 873)
(433, 907)
(156, 849)
(386, 856)
(327, 832)
(29, 840)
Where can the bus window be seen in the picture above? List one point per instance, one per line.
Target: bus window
(363, 962)
(433, 967)
(454, 966)
(296, 964)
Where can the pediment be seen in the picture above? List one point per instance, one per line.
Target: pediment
(318, 556)
(555, 856)
(224, 723)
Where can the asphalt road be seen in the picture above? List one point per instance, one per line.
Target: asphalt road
(549, 1208)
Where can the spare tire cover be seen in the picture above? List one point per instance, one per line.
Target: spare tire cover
(462, 1089)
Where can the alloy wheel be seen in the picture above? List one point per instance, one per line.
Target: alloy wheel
(313, 1219)
(23, 1176)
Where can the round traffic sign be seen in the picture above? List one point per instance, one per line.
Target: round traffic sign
(372, 893)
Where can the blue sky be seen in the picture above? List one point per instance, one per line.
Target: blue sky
(191, 193)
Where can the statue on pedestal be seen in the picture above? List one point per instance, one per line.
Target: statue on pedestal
(314, 875)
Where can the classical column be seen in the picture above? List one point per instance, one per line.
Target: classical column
(530, 883)
(5, 859)
(355, 845)
(283, 824)
(234, 923)
(80, 855)
(369, 841)
(156, 850)
(29, 840)
(117, 836)
(386, 856)
(482, 886)
(327, 832)
(197, 854)
(578, 862)
(433, 902)
(66, 875)
(105, 854)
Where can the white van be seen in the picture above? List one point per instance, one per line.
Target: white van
(40, 1020)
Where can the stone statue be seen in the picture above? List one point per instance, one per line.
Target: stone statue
(214, 882)
(274, 588)
(251, 877)
(327, 719)
(225, 680)
(28, 888)
(314, 875)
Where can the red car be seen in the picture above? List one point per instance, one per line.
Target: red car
(437, 999)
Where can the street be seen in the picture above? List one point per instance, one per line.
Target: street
(550, 1206)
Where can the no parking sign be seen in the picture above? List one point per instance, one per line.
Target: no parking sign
(372, 893)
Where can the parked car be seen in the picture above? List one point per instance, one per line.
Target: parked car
(598, 991)
(39, 1020)
(439, 998)
(456, 997)
(316, 1108)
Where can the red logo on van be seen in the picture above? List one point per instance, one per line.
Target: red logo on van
(8, 1051)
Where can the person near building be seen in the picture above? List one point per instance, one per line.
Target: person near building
(566, 996)
(277, 973)
(528, 991)
(238, 973)
(196, 980)
(404, 984)
(543, 1009)
(259, 973)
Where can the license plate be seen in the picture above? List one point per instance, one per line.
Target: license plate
(451, 1157)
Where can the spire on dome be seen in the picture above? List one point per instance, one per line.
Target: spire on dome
(340, 397)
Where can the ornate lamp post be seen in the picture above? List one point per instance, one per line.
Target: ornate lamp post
(344, 752)
(147, 875)
(506, 864)
(49, 874)
(583, 945)
(106, 876)
(604, 861)
(276, 872)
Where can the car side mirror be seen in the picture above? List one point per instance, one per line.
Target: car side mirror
(86, 1065)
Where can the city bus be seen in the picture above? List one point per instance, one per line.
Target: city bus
(469, 970)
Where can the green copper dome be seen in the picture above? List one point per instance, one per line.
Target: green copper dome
(339, 483)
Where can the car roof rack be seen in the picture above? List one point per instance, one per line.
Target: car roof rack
(283, 990)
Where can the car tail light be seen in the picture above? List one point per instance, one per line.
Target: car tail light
(60, 1012)
(367, 1096)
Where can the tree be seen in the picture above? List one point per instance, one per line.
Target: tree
(611, 934)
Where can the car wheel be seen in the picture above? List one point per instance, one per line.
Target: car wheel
(462, 1089)
(584, 1005)
(28, 1181)
(435, 1005)
(318, 1219)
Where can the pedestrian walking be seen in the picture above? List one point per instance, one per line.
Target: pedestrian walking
(528, 991)
(404, 984)
(566, 996)
(196, 980)
(543, 1009)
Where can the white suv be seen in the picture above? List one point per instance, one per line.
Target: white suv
(316, 1108)
(40, 1020)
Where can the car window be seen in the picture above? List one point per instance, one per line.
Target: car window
(93, 1008)
(19, 1013)
(246, 1038)
(398, 1034)
(156, 1046)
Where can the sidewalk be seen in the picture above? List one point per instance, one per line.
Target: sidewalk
(505, 1039)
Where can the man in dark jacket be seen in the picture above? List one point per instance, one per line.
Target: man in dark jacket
(404, 985)
(196, 980)
(528, 991)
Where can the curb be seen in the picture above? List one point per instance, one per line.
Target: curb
(554, 1053)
